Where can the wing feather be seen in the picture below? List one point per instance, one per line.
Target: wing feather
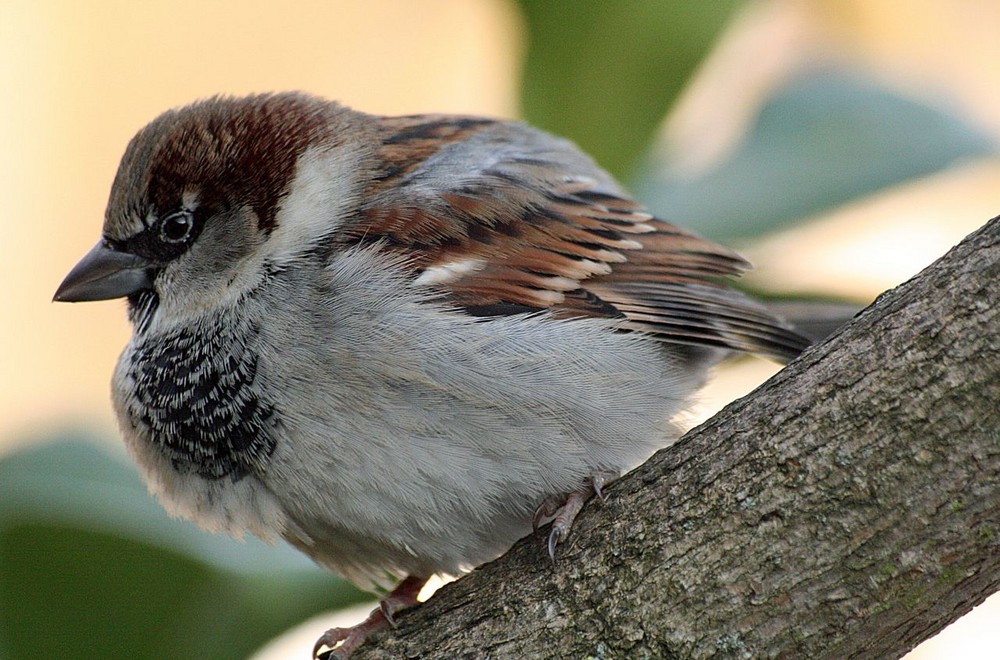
(503, 218)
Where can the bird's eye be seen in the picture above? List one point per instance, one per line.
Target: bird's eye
(176, 227)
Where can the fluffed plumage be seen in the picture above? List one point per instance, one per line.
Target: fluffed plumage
(390, 340)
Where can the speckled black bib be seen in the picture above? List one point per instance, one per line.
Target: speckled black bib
(194, 398)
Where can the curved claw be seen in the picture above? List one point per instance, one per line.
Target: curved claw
(598, 481)
(555, 536)
(330, 639)
(536, 519)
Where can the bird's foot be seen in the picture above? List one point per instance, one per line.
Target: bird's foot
(562, 510)
(341, 642)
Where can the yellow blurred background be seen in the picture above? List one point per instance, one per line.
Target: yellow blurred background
(80, 78)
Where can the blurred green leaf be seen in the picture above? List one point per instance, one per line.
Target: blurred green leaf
(604, 73)
(823, 140)
(76, 484)
(90, 565)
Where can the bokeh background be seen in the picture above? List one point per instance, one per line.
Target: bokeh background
(841, 144)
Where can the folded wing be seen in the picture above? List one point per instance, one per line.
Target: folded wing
(503, 219)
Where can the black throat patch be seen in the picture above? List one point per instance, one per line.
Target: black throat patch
(195, 400)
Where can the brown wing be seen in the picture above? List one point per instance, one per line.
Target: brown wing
(503, 218)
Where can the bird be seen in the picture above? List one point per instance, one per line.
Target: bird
(397, 343)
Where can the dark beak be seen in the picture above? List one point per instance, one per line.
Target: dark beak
(104, 274)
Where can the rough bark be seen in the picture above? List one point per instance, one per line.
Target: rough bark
(850, 506)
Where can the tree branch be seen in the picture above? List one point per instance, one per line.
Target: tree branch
(850, 506)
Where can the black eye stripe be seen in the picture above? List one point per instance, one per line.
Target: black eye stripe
(166, 235)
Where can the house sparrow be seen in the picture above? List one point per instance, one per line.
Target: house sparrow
(396, 342)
